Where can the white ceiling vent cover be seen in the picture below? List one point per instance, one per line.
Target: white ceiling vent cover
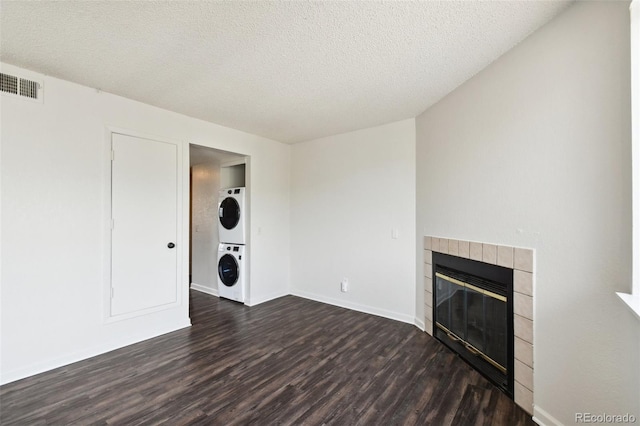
(22, 88)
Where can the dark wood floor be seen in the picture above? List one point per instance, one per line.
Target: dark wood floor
(288, 361)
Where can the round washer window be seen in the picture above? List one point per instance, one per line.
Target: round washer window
(229, 213)
(228, 270)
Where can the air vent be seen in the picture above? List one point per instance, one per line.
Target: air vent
(22, 88)
(29, 88)
(9, 83)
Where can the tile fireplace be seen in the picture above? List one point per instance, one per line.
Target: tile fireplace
(479, 303)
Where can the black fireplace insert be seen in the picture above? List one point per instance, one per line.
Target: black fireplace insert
(473, 315)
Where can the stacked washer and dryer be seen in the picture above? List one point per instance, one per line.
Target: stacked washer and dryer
(231, 251)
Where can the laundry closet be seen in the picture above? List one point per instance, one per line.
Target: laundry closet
(218, 223)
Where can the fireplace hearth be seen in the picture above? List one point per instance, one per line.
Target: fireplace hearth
(473, 315)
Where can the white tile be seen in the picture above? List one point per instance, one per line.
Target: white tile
(505, 256)
(428, 327)
(427, 243)
(523, 328)
(428, 314)
(523, 259)
(523, 282)
(428, 270)
(523, 305)
(444, 246)
(523, 374)
(475, 251)
(428, 299)
(523, 351)
(428, 284)
(463, 249)
(523, 397)
(453, 247)
(435, 244)
(490, 253)
(428, 257)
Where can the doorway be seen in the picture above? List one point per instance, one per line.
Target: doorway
(211, 170)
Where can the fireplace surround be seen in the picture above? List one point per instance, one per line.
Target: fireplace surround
(519, 264)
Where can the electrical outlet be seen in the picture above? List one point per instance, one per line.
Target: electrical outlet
(344, 285)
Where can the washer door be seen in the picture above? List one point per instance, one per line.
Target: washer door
(229, 213)
(228, 270)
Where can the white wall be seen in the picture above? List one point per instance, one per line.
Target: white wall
(205, 185)
(232, 176)
(535, 151)
(53, 221)
(348, 192)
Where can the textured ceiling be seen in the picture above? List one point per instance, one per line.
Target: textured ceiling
(290, 71)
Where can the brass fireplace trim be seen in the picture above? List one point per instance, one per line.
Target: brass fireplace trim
(472, 287)
(474, 351)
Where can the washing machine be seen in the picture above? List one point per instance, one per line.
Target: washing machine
(231, 276)
(231, 216)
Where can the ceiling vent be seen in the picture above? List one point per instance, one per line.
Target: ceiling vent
(22, 88)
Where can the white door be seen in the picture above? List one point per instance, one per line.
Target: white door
(144, 176)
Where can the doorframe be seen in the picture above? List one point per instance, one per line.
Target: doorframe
(246, 160)
(107, 221)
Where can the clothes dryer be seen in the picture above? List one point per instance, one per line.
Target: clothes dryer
(231, 215)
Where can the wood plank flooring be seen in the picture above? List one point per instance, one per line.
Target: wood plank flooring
(288, 361)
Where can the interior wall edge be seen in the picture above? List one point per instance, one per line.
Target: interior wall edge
(372, 310)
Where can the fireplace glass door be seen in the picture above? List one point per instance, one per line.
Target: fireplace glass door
(473, 316)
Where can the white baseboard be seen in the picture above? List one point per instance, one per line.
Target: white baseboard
(419, 323)
(258, 300)
(41, 367)
(204, 289)
(543, 418)
(409, 319)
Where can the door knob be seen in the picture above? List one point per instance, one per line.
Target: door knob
(171, 245)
